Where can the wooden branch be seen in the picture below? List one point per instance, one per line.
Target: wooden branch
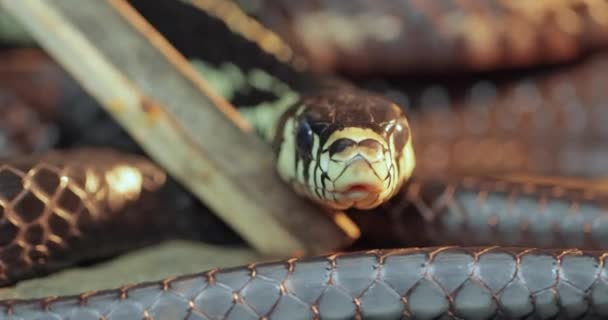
(155, 94)
(11, 31)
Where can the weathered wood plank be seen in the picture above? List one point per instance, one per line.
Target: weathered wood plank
(154, 92)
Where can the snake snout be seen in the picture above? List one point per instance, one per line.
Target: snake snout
(359, 180)
(345, 150)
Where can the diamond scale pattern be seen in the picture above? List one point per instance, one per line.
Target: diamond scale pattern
(208, 302)
(47, 201)
(543, 283)
(514, 300)
(478, 211)
(473, 300)
(433, 43)
(436, 282)
(336, 303)
(472, 136)
(261, 293)
(381, 301)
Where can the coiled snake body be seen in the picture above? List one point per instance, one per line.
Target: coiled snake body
(522, 172)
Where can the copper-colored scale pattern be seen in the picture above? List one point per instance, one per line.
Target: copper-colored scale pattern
(54, 204)
(547, 122)
(438, 35)
(568, 101)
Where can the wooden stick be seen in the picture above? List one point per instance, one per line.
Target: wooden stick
(165, 105)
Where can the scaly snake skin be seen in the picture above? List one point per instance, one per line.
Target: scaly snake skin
(548, 122)
(55, 206)
(424, 36)
(448, 282)
(57, 203)
(475, 211)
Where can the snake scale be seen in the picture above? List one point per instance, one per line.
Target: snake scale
(508, 167)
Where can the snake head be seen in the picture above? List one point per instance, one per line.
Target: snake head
(345, 149)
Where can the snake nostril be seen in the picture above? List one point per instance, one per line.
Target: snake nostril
(340, 145)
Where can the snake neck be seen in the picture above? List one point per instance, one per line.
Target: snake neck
(260, 97)
(365, 164)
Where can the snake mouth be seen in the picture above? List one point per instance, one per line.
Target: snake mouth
(361, 188)
(359, 191)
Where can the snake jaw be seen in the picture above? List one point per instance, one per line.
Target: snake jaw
(360, 188)
(359, 191)
(362, 196)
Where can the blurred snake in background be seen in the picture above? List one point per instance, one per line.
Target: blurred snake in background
(479, 124)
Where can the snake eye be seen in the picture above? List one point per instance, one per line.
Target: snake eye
(304, 137)
(401, 134)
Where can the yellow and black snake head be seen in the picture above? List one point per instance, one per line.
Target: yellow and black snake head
(345, 149)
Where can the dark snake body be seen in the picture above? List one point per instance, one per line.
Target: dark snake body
(449, 282)
(448, 201)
